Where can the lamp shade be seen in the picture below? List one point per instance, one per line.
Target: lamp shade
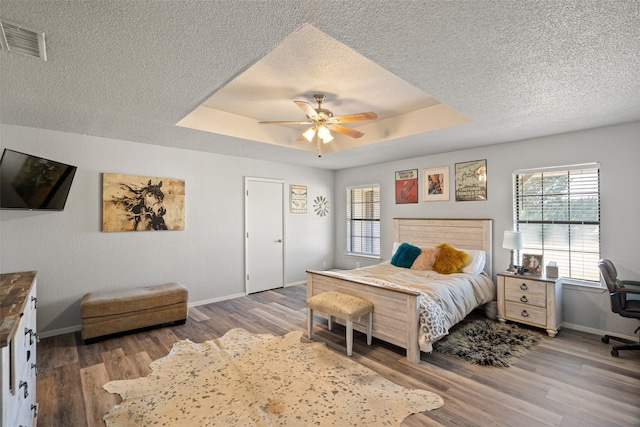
(512, 240)
(309, 133)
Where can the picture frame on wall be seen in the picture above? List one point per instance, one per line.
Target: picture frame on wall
(407, 186)
(435, 184)
(471, 180)
(142, 203)
(532, 263)
(298, 199)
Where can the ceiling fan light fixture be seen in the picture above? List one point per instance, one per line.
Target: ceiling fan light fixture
(325, 134)
(309, 133)
(323, 123)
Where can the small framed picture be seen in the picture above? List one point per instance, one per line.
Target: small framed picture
(533, 264)
(471, 180)
(435, 184)
(407, 186)
(298, 199)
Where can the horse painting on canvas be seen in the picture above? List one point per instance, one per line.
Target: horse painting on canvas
(140, 203)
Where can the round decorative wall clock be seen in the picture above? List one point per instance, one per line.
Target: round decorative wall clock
(321, 206)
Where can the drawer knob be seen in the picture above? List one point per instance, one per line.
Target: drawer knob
(35, 368)
(523, 298)
(32, 335)
(524, 287)
(524, 313)
(25, 385)
(34, 300)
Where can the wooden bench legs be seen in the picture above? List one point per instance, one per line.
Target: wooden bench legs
(346, 307)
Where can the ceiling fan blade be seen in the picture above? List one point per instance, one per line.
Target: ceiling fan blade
(285, 123)
(308, 109)
(345, 130)
(357, 117)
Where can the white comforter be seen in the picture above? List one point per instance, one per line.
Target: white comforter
(445, 299)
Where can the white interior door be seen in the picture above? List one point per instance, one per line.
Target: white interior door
(264, 245)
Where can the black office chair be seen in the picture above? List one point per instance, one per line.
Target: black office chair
(620, 304)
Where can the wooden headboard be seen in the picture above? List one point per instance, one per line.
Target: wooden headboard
(459, 233)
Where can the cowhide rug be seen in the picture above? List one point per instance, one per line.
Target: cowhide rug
(487, 342)
(243, 379)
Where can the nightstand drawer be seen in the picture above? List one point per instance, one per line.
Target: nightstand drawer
(526, 297)
(526, 314)
(522, 284)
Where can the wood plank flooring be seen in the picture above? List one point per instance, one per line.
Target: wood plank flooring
(570, 380)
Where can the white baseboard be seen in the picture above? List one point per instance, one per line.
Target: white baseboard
(302, 282)
(596, 331)
(212, 300)
(62, 331)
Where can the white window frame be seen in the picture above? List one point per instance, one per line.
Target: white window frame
(363, 230)
(581, 263)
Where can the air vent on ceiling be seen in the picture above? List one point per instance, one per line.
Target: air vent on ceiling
(16, 38)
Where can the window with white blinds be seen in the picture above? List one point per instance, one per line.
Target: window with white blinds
(363, 220)
(557, 210)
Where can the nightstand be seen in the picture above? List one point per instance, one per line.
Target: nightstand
(533, 300)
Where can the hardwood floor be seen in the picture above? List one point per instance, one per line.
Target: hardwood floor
(569, 380)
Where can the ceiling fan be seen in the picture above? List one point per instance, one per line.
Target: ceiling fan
(322, 122)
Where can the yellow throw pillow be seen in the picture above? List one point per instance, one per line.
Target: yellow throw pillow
(450, 260)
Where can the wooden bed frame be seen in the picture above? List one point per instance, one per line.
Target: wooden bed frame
(395, 317)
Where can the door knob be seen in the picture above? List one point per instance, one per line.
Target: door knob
(279, 240)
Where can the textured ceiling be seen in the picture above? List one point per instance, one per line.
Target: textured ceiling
(308, 58)
(133, 69)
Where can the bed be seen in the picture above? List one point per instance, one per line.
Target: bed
(394, 291)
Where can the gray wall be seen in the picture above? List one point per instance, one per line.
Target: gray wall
(73, 257)
(616, 148)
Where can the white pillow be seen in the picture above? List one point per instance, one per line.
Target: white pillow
(476, 264)
(395, 248)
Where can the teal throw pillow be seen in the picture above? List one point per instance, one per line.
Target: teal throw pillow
(405, 255)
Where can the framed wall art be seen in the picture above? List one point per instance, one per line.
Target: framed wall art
(532, 263)
(435, 184)
(407, 186)
(298, 199)
(471, 180)
(141, 203)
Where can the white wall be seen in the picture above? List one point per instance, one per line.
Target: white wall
(616, 148)
(73, 257)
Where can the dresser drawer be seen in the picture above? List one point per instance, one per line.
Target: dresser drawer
(524, 285)
(526, 297)
(26, 415)
(18, 367)
(524, 313)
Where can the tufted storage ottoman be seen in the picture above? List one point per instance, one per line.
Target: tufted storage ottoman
(343, 306)
(105, 313)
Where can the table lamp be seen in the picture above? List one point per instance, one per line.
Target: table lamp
(512, 240)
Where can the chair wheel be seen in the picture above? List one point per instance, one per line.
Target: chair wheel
(614, 353)
(605, 340)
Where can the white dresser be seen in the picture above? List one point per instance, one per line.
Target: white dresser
(534, 300)
(18, 340)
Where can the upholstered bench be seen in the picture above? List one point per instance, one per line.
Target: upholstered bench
(343, 306)
(110, 312)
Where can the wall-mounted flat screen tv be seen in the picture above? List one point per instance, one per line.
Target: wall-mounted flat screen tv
(32, 183)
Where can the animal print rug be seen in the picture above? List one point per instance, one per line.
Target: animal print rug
(244, 379)
(487, 342)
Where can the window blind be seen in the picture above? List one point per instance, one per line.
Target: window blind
(558, 212)
(363, 220)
